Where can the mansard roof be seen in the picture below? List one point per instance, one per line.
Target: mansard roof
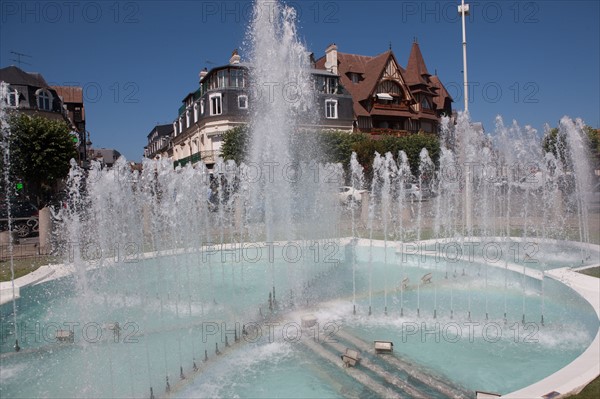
(17, 76)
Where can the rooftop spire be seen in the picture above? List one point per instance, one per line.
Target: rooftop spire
(416, 68)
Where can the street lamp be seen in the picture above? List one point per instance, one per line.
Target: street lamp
(463, 10)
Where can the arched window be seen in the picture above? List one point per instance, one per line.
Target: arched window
(44, 100)
(390, 87)
(12, 97)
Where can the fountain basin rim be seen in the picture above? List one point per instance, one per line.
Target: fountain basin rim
(571, 379)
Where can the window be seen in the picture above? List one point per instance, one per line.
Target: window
(195, 112)
(180, 124)
(187, 118)
(243, 101)
(215, 104)
(12, 98)
(390, 87)
(222, 78)
(237, 78)
(202, 107)
(175, 128)
(427, 126)
(354, 77)
(327, 85)
(331, 109)
(44, 100)
(425, 103)
(331, 85)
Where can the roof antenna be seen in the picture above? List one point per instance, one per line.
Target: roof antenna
(18, 60)
(390, 45)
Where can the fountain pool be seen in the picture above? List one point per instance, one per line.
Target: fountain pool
(170, 315)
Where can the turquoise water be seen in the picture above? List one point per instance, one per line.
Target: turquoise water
(173, 309)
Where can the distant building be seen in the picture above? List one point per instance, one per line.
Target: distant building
(354, 93)
(159, 142)
(30, 94)
(72, 98)
(106, 156)
(386, 97)
(222, 102)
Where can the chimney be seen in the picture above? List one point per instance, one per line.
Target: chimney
(203, 73)
(235, 58)
(331, 61)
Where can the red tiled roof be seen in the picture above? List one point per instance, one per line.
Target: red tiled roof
(416, 70)
(70, 94)
(370, 68)
(442, 93)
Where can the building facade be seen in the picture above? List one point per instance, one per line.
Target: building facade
(223, 101)
(30, 94)
(354, 93)
(388, 99)
(72, 98)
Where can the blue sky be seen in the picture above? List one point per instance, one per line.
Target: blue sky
(532, 61)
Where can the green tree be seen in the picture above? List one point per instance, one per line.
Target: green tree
(235, 144)
(40, 154)
(594, 145)
(337, 146)
(555, 142)
(410, 144)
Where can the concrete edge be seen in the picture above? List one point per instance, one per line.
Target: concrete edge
(572, 378)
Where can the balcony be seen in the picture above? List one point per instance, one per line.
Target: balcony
(391, 106)
(194, 158)
(208, 157)
(377, 131)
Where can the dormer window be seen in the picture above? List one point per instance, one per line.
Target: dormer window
(425, 104)
(222, 78)
(187, 118)
(327, 85)
(237, 78)
(355, 77)
(215, 101)
(195, 112)
(12, 98)
(44, 100)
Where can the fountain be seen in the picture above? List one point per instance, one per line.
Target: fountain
(161, 295)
